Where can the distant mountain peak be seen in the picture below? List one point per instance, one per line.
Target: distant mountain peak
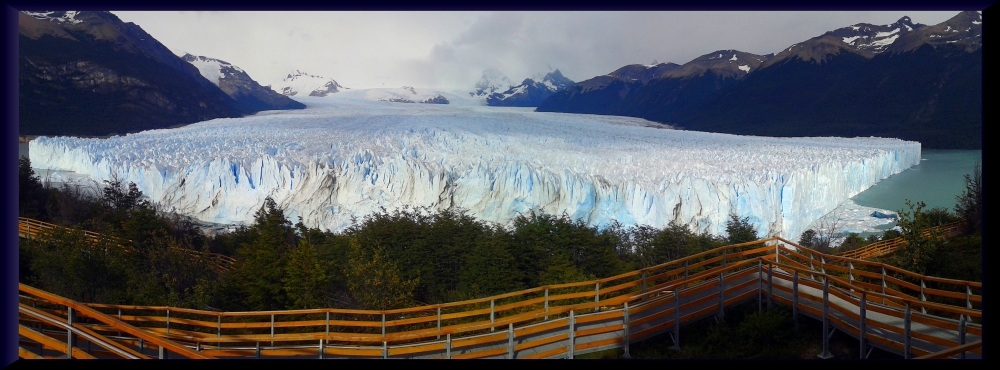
(300, 83)
(492, 81)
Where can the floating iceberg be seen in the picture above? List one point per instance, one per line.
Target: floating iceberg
(349, 157)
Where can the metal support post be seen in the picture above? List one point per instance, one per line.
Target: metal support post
(811, 266)
(961, 333)
(385, 349)
(906, 332)
(722, 295)
(677, 319)
(850, 273)
(572, 334)
(272, 327)
(257, 351)
(492, 301)
(861, 324)
(328, 323)
(597, 296)
(968, 300)
(923, 298)
(685, 274)
(141, 345)
(168, 321)
(724, 257)
(760, 286)
(546, 304)
(822, 265)
(826, 320)
(70, 338)
(447, 346)
(770, 287)
(795, 299)
(625, 328)
(439, 323)
(510, 341)
(884, 285)
(644, 281)
(383, 325)
(322, 349)
(776, 255)
(163, 353)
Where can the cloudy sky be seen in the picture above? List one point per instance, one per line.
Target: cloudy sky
(450, 50)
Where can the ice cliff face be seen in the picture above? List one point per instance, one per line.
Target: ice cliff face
(341, 158)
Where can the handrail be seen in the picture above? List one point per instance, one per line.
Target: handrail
(637, 288)
(884, 247)
(222, 262)
(953, 351)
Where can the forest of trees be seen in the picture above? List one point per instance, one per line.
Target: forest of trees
(385, 260)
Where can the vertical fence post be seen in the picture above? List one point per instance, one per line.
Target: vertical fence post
(385, 349)
(29, 230)
(163, 353)
(760, 286)
(439, 323)
(546, 303)
(722, 295)
(795, 299)
(770, 287)
(119, 316)
(811, 266)
(141, 346)
(272, 329)
(850, 272)
(822, 265)
(677, 319)
(510, 341)
(685, 274)
(597, 297)
(322, 349)
(625, 328)
(257, 351)
(383, 325)
(826, 319)
(492, 301)
(168, 321)
(724, 256)
(884, 285)
(328, 323)
(906, 332)
(961, 333)
(69, 333)
(861, 323)
(923, 298)
(447, 346)
(644, 281)
(572, 334)
(219, 329)
(968, 299)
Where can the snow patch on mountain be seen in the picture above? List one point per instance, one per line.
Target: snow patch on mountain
(63, 17)
(299, 83)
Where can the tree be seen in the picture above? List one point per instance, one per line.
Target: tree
(30, 193)
(740, 230)
(374, 281)
(919, 249)
(853, 241)
(260, 266)
(808, 239)
(970, 204)
(305, 277)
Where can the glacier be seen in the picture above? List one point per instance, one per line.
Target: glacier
(346, 156)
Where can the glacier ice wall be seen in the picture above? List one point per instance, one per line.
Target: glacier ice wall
(343, 158)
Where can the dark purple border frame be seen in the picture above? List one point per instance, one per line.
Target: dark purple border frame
(8, 260)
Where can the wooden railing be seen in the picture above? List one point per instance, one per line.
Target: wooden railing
(885, 247)
(33, 229)
(570, 319)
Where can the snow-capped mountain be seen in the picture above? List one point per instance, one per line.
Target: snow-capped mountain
(405, 94)
(299, 83)
(236, 83)
(492, 81)
(874, 38)
(89, 73)
(531, 91)
(902, 80)
(964, 29)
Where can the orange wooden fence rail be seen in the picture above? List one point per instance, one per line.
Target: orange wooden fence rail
(31, 228)
(651, 296)
(884, 247)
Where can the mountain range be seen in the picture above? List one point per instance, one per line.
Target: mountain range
(902, 80)
(90, 74)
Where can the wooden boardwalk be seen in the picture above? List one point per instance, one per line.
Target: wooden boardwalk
(885, 307)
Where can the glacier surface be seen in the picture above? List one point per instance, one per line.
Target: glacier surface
(346, 156)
